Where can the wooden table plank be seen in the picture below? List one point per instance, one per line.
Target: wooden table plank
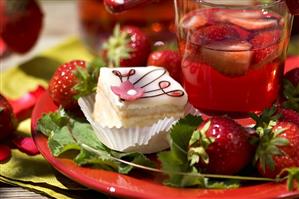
(9, 192)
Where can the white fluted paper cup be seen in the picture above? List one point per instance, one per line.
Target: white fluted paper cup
(147, 139)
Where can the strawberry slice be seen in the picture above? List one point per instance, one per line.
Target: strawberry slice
(228, 57)
(5, 153)
(194, 20)
(26, 145)
(212, 33)
(266, 47)
(249, 21)
(265, 38)
(265, 55)
(253, 24)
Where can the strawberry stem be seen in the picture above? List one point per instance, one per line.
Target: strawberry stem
(117, 47)
(91, 149)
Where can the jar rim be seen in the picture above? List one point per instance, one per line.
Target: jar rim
(261, 5)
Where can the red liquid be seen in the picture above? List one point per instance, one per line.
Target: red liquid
(230, 63)
(96, 24)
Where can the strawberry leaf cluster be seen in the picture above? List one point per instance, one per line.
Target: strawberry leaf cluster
(291, 94)
(176, 164)
(67, 133)
(88, 77)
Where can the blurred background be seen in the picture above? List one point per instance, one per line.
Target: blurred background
(67, 18)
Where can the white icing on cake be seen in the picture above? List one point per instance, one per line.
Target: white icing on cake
(161, 97)
(108, 79)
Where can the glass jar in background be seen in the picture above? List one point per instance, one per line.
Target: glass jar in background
(232, 54)
(96, 24)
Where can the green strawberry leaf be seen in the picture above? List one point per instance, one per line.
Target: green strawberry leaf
(52, 122)
(88, 77)
(176, 160)
(117, 47)
(67, 133)
(172, 164)
(292, 177)
(61, 141)
(291, 94)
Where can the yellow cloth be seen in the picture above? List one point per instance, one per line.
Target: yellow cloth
(34, 172)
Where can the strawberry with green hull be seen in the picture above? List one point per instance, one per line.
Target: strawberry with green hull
(74, 79)
(220, 146)
(62, 82)
(169, 59)
(128, 47)
(278, 143)
(278, 149)
(21, 23)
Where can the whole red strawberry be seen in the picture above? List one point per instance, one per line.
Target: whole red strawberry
(293, 76)
(278, 149)
(288, 115)
(61, 85)
(220, 145)
(169, 59)
(7, 118)
(21, 23)
(128, 46)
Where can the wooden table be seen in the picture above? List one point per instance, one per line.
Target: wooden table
(9, 192)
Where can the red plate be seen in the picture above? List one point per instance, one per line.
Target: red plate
(143, 186)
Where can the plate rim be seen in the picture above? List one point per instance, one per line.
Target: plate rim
(63, 165)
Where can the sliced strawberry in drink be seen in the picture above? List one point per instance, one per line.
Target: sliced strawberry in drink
(212, 33)
(253, 24)
(197, 18)
(248, 14)
(194, 21)
(263, 56)
(228, 57)
(265, 38)
(224, 15)
(266, 47)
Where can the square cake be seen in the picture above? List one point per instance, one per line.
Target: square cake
(137, 97)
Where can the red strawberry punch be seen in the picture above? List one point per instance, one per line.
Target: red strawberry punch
(231, 59)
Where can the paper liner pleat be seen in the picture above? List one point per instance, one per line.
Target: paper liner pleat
(147, 139)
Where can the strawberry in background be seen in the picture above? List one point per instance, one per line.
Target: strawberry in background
(13, 111)
(169, 59)
(128, 46)
(21, 23)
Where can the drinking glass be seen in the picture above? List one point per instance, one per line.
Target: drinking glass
(233, 52)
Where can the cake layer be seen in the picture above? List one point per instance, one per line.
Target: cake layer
(139, 96)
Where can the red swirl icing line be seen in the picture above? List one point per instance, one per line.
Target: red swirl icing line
(161, 84)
